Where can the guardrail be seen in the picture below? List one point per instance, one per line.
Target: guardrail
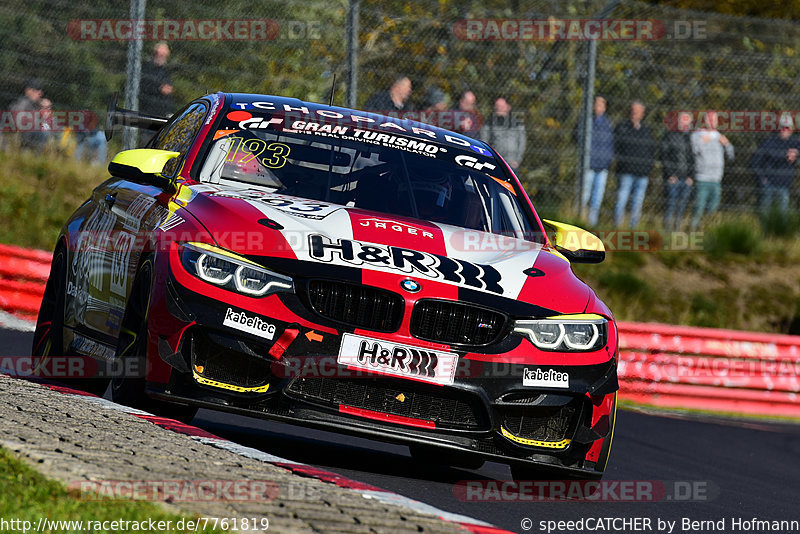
(661, 365)
(710, 369)
(23, 274)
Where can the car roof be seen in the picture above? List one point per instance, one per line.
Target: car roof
(280, 102)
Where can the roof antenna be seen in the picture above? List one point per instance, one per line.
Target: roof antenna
(333, 86)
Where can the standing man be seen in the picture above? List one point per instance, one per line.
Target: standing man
(773, 164)
(677, 162)
(466, 114)
(710, 149)
(155, 96)
(600, 155)
(636, 152)
(504, 134)
(30, 103)
(395, 99)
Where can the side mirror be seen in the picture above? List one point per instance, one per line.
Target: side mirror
(576, 244)
(142, 165)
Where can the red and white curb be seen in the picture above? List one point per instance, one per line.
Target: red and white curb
(12, 322)
(367, 491)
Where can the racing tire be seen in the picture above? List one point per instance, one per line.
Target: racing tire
(48, 339)
(445, 457)
(131, 352)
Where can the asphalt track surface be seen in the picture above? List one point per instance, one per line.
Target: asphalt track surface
(738, 469)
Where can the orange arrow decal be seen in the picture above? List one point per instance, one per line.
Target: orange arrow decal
(313, 336)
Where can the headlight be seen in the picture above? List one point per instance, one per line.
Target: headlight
(565, 333)
(222, 268)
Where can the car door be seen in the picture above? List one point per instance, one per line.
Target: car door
(140, 208)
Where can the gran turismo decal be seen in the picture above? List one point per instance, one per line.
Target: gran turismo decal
(254, 325)
(473, 163)
(442, 268)
(398, 360)
(548, 379)
(287, 114)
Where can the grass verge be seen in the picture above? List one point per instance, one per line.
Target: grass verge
(27, 495)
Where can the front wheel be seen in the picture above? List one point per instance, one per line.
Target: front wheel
(128, 384)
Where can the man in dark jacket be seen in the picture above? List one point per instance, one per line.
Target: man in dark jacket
(394, 100)
(636, 152)
(677, 162)
(600, 155)
(155, 96)
(773, 164)
(505, 133)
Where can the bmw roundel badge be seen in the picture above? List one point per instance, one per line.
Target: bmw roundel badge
(410, 285)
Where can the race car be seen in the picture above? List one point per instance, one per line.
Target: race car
(341, 270)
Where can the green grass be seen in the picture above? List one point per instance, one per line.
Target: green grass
(27, 495)
(38, 192)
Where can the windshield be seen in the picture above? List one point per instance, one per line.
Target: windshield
(382, 172)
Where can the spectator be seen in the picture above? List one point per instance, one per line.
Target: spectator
(504, 134)
(92, 146)
(600, 155)
(710, 149)
(466, 114)
(30, 102)
(393, 100)
(773, 165)
(436, 100)
(636, 151)
(677, 162)
(155, 96)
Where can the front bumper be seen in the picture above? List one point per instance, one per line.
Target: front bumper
(289, 372)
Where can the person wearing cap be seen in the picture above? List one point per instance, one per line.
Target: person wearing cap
(30, 102)
(710, 148)
(773, 165)
(505, 134)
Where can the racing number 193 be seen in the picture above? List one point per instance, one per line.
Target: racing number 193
(278, 152)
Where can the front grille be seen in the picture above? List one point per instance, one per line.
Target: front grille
(221, 364)
(544, 423)
(446, 408)
(455, 323)
(356, 305)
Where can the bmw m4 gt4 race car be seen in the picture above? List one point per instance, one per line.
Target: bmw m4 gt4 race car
(341, 270)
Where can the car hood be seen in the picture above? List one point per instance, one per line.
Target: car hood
(300, 236)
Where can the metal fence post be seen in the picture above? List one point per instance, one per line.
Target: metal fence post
(586, 137)
(130, 136)
(588, 114)
(352, 53)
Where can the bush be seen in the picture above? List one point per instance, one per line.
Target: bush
(737, 236)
